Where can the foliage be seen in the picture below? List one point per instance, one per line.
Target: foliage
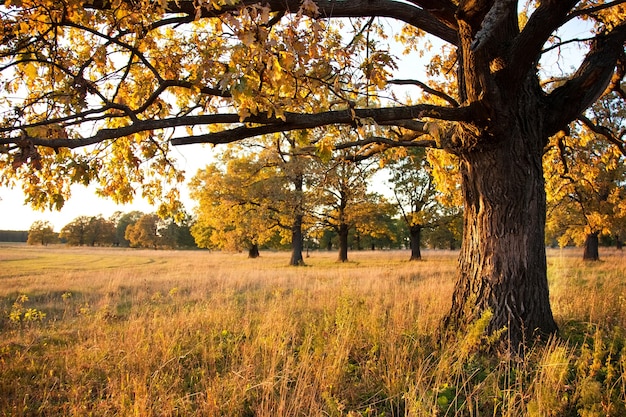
(233, 198)
(418, 199)
(89, 231)
(123, 221)
(586, 179)
(41, 233)
(150, 231)
(342, 201)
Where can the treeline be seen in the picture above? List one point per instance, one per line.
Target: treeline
(140, 230)
(134, 229)
(13, 235)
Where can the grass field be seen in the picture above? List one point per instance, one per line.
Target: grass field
(157, 333)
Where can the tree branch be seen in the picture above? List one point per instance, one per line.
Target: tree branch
(427, 89)
(385, 143)
(616, 140)
(442, 9)
(418, 17)
(591, 10)
(589, 81)
(389, 116)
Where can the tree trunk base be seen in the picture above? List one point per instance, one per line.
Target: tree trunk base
(591, 252)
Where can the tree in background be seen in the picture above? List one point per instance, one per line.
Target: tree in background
(123, 221)
(41, 233)
(181, 231)
(88, 231)
(100, 232)
(145, 67)
(341, 200)
(374, 222)
(447, 232)
(75, 232)
(146, 232)
(586, 180)
(285, 193)
(232, 213)
(415, 194)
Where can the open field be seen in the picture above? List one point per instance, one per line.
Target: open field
(160, 333)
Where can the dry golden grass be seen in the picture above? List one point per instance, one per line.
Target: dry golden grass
(159, 333)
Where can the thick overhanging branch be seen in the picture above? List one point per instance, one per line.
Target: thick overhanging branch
(590, 80)
(259, 125)
(500, 12)
(443, 10)
(411, 14)
(396, 116)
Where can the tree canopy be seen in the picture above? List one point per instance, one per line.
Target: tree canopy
(125, 80)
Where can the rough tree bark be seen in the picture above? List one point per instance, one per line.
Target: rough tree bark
(502, 265)
(253, 251)
(342, 231)
(591, 252)
(296, 242)
(297, 239)
(415, 237)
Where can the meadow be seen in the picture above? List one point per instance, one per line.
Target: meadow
(109, 332)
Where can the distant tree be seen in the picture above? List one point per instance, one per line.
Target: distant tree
(41, 233)
(447, 232)
(100, 232)
(341, 196)
(89, 231)
(289, 203)
(75, 232)
(146, 232)
(586, 180)
(415, 194)
(184, 238)
(13, 235)
(232, 211)
(123, 221)
(177, 234)
(373, 222)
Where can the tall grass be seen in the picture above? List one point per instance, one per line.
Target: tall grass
(154, 333)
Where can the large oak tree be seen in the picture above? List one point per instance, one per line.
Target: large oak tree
(117, 76)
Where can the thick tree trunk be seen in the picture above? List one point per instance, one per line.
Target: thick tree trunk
(253, 251)
(415, 233)
(591, 248)
(296, 242)
(343, 242)
(502, 264)
(618, 242)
